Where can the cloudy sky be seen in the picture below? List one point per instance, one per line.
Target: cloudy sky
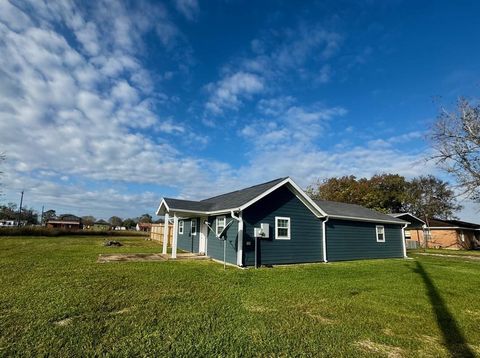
(105, 107)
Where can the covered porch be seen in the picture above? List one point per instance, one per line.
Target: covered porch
(180, 219)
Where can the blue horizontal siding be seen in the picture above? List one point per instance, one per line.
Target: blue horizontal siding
(305, 244)
(352, 240)
(215, 246)
(187, 241)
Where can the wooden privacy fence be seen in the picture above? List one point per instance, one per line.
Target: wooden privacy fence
(157, 233)
(412, 244)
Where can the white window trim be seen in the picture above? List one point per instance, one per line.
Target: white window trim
(376, 232)
(180, 227)
(288, 227)
(194, 221)
(223, 217)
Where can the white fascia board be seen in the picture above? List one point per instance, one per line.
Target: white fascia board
(341, 217)
(162, 202)
(413, 216)
(317, 211)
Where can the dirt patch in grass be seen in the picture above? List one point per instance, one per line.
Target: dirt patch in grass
(320, 318)
(102, 258)
(256, 308)
(465, 257)
(63, 322)
(373, 347)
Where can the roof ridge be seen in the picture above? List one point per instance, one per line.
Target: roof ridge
(249, 187)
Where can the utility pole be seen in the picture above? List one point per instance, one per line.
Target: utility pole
(41, 217)
(20, 210)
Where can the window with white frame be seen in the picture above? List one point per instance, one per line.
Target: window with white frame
(220, 224)
(282, 228)
(180, 227)
(380, 233)
(194, 227)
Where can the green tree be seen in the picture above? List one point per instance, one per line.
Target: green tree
(425, 196)
(145, 218)
(88, 220)
(49, 215)
(345, 189)
(9, 211)
(384, 192)
(29, 216)
(115, 221)
(129, 223)
(429, 197)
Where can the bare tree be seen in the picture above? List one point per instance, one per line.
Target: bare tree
(456, 140)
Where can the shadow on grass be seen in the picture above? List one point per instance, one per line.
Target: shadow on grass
(452, 336)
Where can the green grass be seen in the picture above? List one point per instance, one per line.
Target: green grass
(448, 252)
(56, 300)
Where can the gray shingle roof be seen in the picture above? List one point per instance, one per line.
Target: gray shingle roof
(238, 198)
(333, 208)
(230, 200)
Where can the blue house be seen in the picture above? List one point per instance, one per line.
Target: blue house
(278, 223)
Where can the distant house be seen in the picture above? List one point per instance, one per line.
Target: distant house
(65, 221)
(147, 227)
(447, 234)
(278, 223)
(8, 223)
(101, 225)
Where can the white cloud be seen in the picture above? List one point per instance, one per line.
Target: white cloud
(275, 57)
(189, 8)
(86, 111)
(228, 92)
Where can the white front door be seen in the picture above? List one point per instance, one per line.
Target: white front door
(202, 244)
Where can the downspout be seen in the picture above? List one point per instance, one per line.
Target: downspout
(239, 236)
(403, 241)
(324, 238)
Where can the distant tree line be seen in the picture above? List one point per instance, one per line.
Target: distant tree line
(10, 212)
(424, 196)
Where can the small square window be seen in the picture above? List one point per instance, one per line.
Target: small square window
(282, 228)
(180, 227)
(380, 233)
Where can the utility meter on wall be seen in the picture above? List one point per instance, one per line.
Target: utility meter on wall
(262, 231)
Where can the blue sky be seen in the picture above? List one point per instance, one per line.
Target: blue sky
(105, 107)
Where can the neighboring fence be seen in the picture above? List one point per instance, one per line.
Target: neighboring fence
(412, 244)
(157, 233)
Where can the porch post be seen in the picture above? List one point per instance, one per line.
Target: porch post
(240, 240)
(165, 235)
(175, 236)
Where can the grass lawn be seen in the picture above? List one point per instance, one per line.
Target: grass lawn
(55, 299)
(448, 252)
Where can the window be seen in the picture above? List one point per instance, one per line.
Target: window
(408, 235)
(380, 233)
(462, 236)
(180, 227)
(221, 222)
(282, 228)
(194, 227)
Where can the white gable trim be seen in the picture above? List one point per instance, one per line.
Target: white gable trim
(413, 216)
(162, 203)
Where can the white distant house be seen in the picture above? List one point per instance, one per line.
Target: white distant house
(8, 223)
